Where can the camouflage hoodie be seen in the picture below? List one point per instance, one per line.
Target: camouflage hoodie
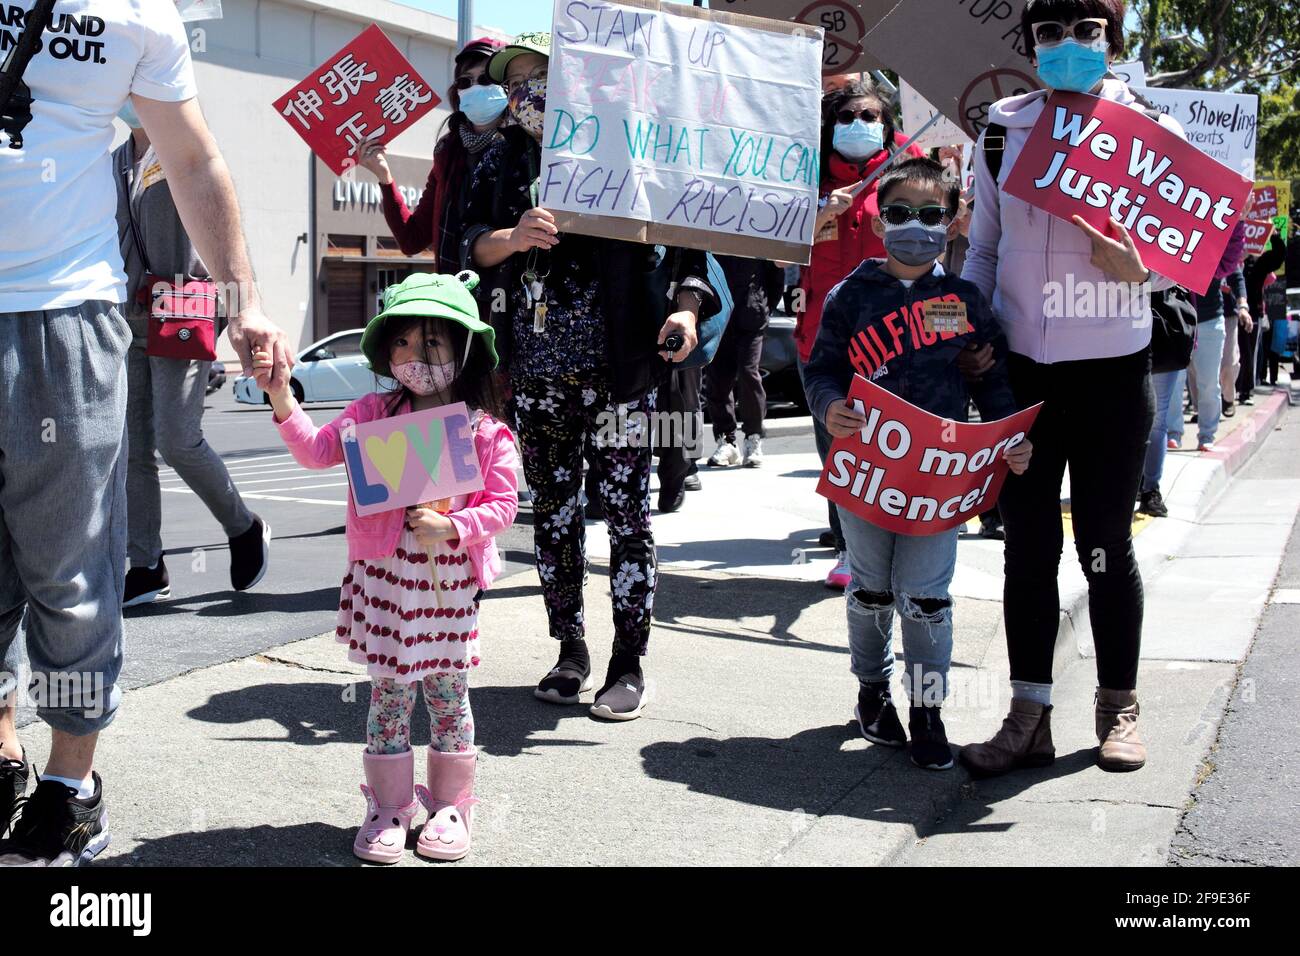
(874, 326)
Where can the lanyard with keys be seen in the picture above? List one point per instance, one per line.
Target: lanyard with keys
(535, 292)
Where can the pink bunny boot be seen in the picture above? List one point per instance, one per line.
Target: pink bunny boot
(449, 798)
(390, 806)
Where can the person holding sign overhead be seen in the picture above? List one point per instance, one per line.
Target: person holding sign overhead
(479, 108)
(858, 137)
(1092, 370)
(408, 607)
(582, 339)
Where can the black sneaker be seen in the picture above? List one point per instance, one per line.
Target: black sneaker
(569, 678)
(877, 718)
(827, 540)
(991, 528)
(13, 784)
(670, 503)
(623, 696)
(57, 828)
(1153, 503)
(930, 750)
(250, 553)
(145, 585)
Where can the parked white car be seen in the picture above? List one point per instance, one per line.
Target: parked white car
(331, 370)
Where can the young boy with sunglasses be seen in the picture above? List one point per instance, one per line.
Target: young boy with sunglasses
(871, 326)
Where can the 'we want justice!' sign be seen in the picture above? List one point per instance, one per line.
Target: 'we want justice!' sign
(676, 125)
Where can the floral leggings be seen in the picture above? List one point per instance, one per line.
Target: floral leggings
(559, 421)
(392, 703)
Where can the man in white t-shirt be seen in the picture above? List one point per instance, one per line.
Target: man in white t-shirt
(63, 341)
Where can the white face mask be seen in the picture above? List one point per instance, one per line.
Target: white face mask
(423, 378)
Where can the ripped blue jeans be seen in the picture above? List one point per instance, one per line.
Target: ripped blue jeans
(911, 574)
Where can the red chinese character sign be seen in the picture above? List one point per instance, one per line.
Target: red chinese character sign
(1096, 159)
(367, 90)
(914, 473)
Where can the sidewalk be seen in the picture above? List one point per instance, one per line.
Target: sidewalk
(748, 753)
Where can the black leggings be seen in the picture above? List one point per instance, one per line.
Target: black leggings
(1095, 420)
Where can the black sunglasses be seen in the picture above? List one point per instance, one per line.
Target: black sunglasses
(897, 213)
(465, 82)
(845, 117)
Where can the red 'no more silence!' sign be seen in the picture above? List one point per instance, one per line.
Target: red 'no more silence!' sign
(914, 473)
(1096, 159)
(367, 90)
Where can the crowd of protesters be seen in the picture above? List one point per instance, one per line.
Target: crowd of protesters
(546, 335)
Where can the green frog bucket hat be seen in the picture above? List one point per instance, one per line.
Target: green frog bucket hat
(427, 294)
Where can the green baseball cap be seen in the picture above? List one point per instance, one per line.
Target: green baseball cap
(524, 43)
(428, 294)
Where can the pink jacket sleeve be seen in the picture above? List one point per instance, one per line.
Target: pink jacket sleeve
(499, 501)
(322, 447)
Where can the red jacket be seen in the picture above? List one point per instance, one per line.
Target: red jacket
(834, 259)
(414, 230)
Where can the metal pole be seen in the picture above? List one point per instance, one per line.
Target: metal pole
(464, 23)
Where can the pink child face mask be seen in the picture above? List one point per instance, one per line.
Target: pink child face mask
(423, 378)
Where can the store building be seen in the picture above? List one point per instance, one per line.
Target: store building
(320, 244)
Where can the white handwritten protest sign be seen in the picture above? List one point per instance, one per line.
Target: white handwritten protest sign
(676, 125)
(1221, 125)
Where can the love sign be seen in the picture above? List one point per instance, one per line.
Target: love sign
(409, 459)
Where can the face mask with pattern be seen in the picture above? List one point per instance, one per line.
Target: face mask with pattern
(528, 105)
(422, 378)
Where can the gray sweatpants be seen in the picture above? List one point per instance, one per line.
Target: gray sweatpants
(165, 413)
(63, 510)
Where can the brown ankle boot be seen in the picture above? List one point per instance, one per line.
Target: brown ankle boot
(1121, 747)
(1024, 740)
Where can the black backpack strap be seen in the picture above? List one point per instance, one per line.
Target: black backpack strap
(15, 64)
(994, 145)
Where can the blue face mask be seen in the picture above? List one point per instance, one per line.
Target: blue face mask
(128, 115)
(1069, 65)
(483, 104)
(914, 243)
(858, 140)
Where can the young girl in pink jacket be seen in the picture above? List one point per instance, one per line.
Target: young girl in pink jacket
(408, 608)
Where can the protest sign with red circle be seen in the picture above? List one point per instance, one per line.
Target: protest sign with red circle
(985, 90)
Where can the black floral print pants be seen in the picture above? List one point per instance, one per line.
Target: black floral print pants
(559, 421)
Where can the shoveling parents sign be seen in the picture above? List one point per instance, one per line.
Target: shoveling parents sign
(914, 473)
(671, 124)
(1090, 157)
(367, 90)
(409, 459)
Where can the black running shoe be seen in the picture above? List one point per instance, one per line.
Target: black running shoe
(13, 784)
(1153, 503)
(569, 678)
(145, 585)
(57, 828)
(930, 750)
(250, 553)
(877, 718)
(827, 540)
(623, 697)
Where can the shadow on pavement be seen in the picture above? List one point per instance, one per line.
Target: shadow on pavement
(228, 603)
(809, 773)
(311, 714)
(302, 844)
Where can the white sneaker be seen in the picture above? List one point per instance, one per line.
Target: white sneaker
(753, 451)
(724, 455)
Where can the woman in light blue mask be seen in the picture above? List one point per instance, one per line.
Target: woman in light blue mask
(1090, 366)
(479, 106)
(857, 138)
